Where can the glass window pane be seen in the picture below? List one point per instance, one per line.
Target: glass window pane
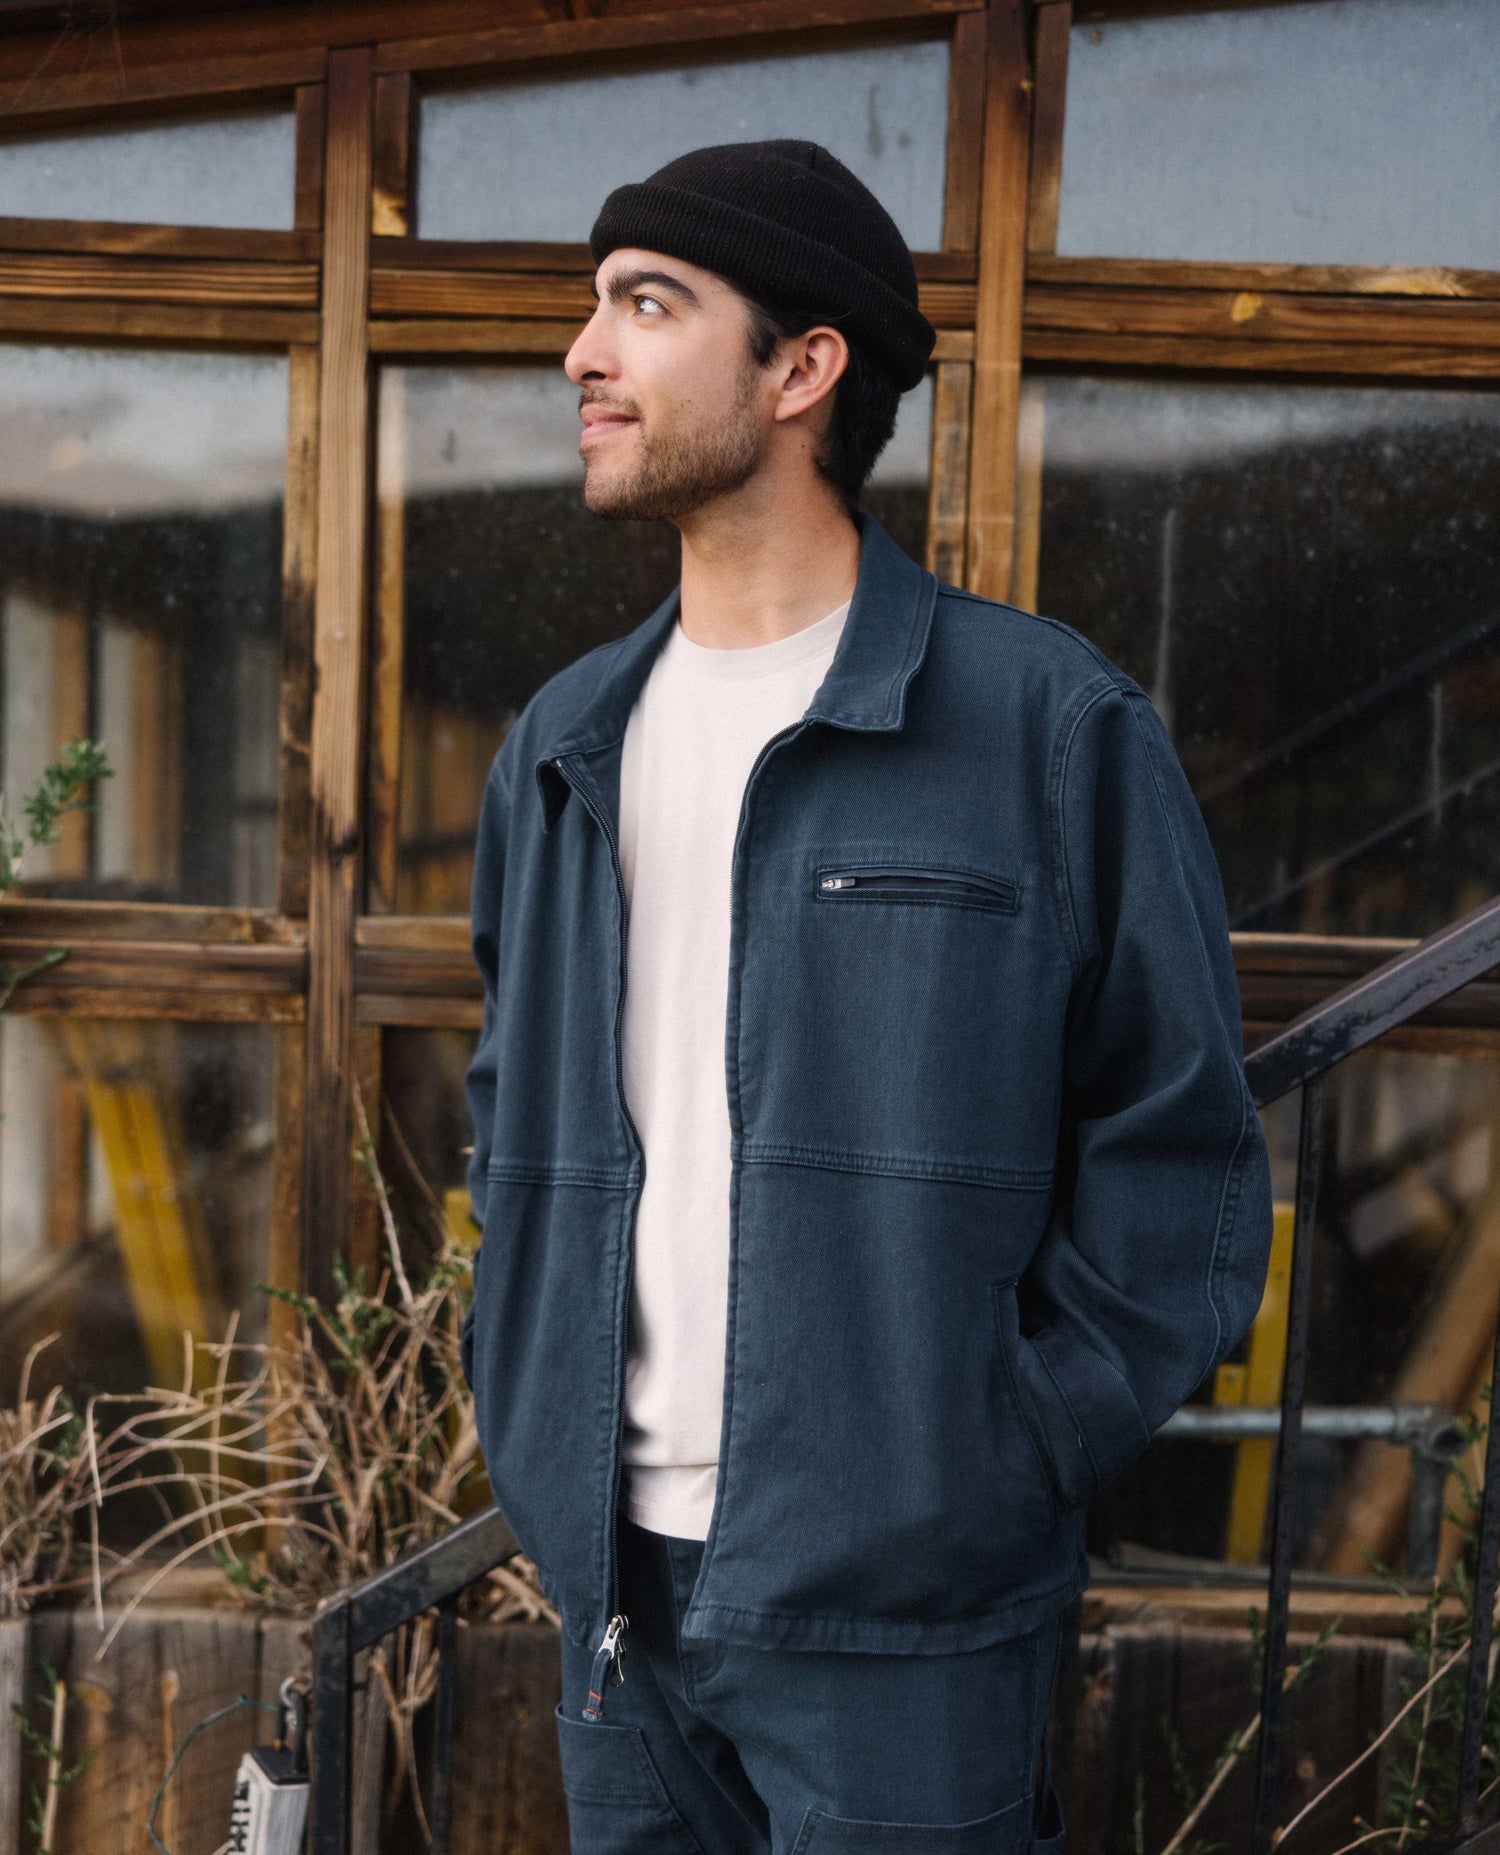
(135, 1194)
(1302, 577)
(505, 577)
(1329, 132)
(490, 159)
(1406, 1274)
(233, 170)
(141, 501)
(426, 1160)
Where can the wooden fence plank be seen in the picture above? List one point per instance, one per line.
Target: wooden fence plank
(507, 1782)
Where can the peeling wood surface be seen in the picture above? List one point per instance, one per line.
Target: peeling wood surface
(335, 874)
(998, 305)
(1319, 279)
(750, 20)
(1051, 24)
(47, 318)
(965, 134)
(391, 156)
(411, 290)
(40, 918)
(948, 495)
(299, 579)
(124, 238)
(310, 105)
(1205, 313)
(161, 280)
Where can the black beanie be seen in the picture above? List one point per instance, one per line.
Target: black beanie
(790, 223)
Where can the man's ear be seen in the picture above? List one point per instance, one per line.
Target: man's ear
(814, 364)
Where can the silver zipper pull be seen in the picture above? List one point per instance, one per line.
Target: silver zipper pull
(609, 1664)
(837, 882)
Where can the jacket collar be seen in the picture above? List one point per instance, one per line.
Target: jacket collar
(880, 648)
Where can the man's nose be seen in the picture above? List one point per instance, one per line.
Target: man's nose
(587, 357)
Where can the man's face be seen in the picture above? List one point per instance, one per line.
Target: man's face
(675, 411)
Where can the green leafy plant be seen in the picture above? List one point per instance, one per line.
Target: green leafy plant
(59, 790)
(42, 1799)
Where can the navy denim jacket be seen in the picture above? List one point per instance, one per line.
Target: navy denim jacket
(1000, 1197)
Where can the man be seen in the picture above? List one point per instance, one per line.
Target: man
(863, 1151)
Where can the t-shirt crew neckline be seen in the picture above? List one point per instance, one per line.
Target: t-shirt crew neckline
(755, 659)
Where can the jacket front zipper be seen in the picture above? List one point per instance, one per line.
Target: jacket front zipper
(609, 1661)
(609, 1657)
(917, 883)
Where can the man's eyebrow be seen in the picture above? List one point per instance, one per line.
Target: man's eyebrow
(625, 283)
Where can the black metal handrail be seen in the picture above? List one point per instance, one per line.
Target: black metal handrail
(1300, 1055)
(433, 1576)
(1297, 1056)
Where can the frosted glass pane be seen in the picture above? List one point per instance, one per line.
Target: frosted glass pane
(1302, 578)
(141, 502)
(90, 1110)
(506, 577)
(235, 170)
(1329, 132)
(534, 159)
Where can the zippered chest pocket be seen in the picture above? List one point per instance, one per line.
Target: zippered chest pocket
(844, 883)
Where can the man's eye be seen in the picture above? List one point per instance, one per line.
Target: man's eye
(648, 299)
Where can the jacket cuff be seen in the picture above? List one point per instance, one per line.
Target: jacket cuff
(1088, 1414)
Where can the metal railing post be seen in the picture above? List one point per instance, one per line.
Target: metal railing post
(1294, 1385)
(1476, 1702)
(442, 1751)
(332, 1731)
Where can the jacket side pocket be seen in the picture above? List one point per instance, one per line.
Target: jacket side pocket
(1008, 1339)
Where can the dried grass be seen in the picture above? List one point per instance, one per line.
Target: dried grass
(299, 1466)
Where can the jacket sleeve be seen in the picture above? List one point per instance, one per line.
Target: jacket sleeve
(1154, 1257)
(479, 1078)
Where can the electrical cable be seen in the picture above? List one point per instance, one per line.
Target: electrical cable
(242, 1701)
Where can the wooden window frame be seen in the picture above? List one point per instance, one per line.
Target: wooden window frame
(349, 282)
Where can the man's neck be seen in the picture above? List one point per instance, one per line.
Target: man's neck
(755, 570)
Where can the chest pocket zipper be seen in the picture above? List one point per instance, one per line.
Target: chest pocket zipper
(894, 882)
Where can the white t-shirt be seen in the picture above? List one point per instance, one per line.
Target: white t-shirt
(699, 723)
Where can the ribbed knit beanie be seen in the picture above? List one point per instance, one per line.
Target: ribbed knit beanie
(790, 223)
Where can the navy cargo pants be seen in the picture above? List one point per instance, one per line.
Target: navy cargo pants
(715, 1749)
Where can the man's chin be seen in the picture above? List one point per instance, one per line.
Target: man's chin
(622, 502)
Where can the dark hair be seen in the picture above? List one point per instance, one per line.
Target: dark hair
(865, 397)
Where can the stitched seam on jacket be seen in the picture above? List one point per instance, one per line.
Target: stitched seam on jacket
(541, 1172)
(1229, 1191)
(832, 1159)
(1087, 697)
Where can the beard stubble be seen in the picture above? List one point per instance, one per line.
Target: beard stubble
(677, 475)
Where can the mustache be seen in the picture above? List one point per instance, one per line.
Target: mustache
(626, 411)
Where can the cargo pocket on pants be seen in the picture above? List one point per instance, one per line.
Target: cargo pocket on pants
(1005, 1832)
(617, 1803)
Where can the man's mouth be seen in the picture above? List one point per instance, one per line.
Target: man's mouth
(597, 425)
